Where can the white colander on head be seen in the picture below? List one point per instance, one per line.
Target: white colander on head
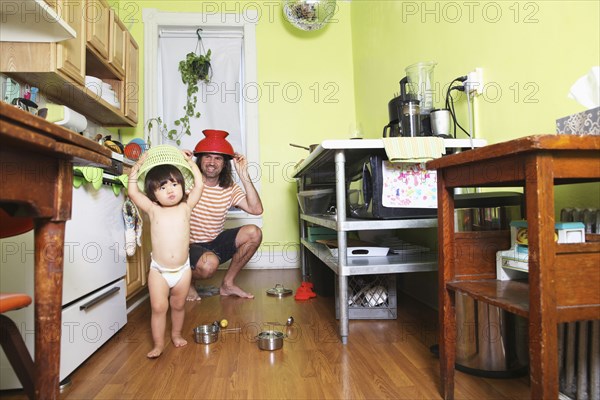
(162, 155)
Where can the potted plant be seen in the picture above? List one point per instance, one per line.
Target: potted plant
(194, 68)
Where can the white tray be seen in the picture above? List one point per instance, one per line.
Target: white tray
(363, 251)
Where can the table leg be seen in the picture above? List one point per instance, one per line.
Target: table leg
(543, 322)
(49, 247)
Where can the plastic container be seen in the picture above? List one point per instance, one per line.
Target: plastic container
(370, 297)
(420, 84)
(314, 202)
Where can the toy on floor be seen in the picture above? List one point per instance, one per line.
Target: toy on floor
(305, 291)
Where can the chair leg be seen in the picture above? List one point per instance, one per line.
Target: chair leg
(17, 354)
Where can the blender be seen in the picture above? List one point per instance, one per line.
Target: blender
(420, 87)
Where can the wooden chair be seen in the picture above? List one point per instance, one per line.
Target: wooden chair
(12, 341)
(10, 337)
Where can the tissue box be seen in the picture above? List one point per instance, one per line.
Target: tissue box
(583, 123)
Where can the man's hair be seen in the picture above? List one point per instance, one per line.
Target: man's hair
(225, 177)
(160, 175)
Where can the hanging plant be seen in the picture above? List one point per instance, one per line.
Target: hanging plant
(195, 68)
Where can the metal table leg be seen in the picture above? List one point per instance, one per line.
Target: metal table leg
(340, 200)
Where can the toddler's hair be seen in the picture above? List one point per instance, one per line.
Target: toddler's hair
(160, 175)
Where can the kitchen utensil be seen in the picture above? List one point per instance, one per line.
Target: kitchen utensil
(411, 118)
(218, 325)
(214, 142)
(311, 148)
(440, 122)
(279, 291)
(270, 340)
(420, 84)
(165, 154)
(206, 334)
(289, 322)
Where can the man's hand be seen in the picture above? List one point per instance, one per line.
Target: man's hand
(241, 166)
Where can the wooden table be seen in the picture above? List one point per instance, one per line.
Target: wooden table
(564, 283)
(36, 173)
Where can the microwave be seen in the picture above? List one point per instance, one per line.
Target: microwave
(367, 191)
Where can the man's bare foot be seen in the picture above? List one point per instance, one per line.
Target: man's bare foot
(155, 352)
(234, 291)
(193, 294)
(178, 341)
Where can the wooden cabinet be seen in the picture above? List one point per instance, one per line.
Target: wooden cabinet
(563, 284)
(119, 40)
(59, 69)
(131, 89)
(70, 54)
(97, 18)
(49, 65)
(138, 265)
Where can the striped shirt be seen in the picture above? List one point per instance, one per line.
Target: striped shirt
(208, 217)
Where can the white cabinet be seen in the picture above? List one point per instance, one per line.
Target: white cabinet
(94, 288)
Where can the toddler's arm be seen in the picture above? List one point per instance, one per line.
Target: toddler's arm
(196, 192)
(134, 193)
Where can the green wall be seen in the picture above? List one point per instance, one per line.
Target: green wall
(530, 52)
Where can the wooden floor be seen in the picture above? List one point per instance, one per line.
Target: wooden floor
(384, 359)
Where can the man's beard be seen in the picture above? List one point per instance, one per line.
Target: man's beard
(213, 173)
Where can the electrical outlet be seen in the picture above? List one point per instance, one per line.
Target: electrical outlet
(474, 82)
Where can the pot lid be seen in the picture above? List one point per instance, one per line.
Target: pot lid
(279, 291)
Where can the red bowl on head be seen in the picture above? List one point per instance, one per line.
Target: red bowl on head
(214, 142)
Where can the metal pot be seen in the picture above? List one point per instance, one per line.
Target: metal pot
(270, 340)
(206, 334)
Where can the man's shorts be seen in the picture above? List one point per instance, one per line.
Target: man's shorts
(223, 246)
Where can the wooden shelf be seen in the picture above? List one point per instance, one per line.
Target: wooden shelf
(512, 296)
(33, 21)
(563, 284)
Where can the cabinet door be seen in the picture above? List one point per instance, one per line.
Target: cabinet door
(97, 17)
(134, 273)
(117, 44)
(70, 54)
(138, 265)
(131, 80)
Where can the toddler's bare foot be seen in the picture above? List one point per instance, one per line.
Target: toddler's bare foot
(234, 291)
(155, 352)
(178, 341)
(193, 294)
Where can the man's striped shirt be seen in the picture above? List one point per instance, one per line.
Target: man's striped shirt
(208, 217)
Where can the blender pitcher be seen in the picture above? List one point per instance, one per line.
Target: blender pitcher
(420, 84)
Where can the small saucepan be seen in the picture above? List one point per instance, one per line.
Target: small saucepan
(206, 334)
(270, 340)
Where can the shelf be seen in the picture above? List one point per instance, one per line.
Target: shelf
(392, 264)
(32, 21)
(355, 224)
(512, 296)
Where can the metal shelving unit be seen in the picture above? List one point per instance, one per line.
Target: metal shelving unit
(331, 164)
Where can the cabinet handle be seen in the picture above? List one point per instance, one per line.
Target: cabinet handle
(98, 299)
